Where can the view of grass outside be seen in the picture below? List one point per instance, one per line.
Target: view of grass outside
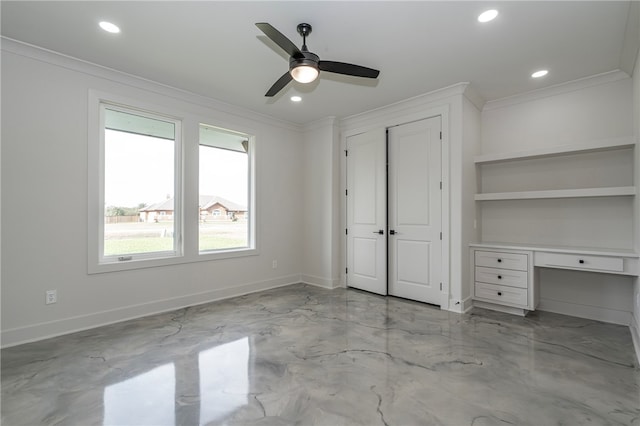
(224, 172)
(143, 237)
(140, 178)
(135, 238)
(138, 171)
(223, 235)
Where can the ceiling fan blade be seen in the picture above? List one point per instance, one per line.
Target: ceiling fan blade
(348, 69)
(279, 85)
(278, 38)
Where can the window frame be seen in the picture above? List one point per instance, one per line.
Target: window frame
(186, 216)
(177, 249)
(252, 228)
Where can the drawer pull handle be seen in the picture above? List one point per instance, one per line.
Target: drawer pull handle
(499, 293)
(581, 261)
(499, 277)
(499, 260)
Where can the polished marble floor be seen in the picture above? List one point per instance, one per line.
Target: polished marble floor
(310, 356)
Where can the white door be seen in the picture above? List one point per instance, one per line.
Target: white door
(415, 213)
(367, 212)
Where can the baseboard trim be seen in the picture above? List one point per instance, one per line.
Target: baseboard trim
(463, 307)
(635, 336)
(320, 282)
(585, 311)
(467, 305)
(46, 330)
(500, 308)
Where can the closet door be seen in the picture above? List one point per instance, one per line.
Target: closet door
(415, 210)
(367, 212)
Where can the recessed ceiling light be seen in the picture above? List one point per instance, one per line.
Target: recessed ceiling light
(539, 74)
(488, 15)
(109, 27)
(296, 99)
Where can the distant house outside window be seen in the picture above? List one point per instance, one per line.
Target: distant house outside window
(225, 189)
(141, 212)
(140, 151)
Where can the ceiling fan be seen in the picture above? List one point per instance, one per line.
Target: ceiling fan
(304, 66)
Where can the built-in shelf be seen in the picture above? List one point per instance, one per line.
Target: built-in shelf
(601, 145)
(590, 192)
(558, 193)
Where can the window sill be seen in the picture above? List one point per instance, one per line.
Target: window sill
(99, 268)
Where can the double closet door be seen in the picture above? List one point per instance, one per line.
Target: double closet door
(394, 211)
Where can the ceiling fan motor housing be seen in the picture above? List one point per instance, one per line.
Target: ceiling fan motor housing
(308, 59)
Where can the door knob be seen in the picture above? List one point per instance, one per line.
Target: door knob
(381, 232)
(392, 232)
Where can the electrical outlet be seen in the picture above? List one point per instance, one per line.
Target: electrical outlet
(51, 296)
(274, 264)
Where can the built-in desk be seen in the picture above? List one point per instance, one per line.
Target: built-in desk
(505, 276)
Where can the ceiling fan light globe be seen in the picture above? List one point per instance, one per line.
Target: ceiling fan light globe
(304, 73)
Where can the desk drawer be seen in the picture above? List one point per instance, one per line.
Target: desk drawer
(501, 294)
(494, 259)
(501, 276)
(576, 261)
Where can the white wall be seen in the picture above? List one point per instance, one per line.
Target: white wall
(44, 203)
(321, 208)
(587, 110)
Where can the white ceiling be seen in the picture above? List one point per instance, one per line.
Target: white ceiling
(214, 48)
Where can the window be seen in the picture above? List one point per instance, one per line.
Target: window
(142, 212)
(224, 188)
(141, 183)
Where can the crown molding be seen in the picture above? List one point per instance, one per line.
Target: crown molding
(389, 113)
(474, 97)
(558, 89)
(435, 95)
(89, 68)
(320, 124)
